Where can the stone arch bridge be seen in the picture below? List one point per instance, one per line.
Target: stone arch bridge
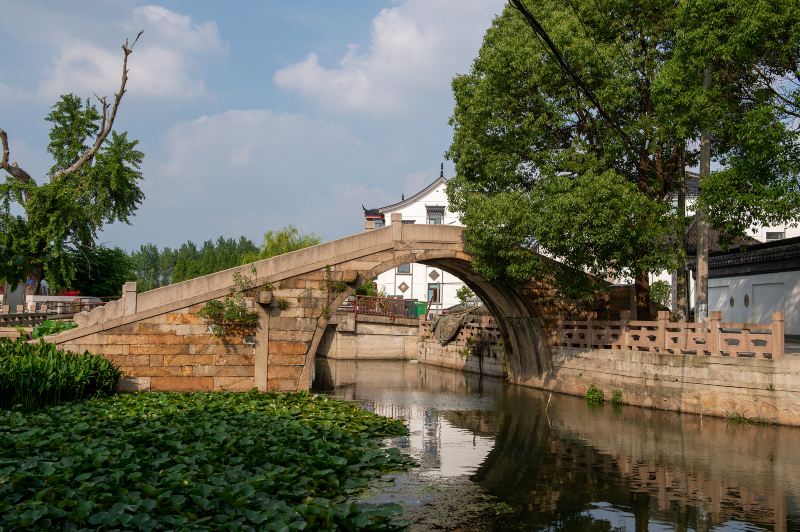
(160, 342)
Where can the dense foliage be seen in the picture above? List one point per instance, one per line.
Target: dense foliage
(13, 267)
(48, 221)
(661, 293)
(36, 375)
(49, 327)
(102, 271)
(155, 268)
(221, 461)
(283, 241)
(591, 177)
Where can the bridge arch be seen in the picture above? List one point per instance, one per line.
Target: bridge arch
(523, 330)
(161, 343)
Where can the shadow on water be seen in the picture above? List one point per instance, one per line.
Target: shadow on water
(556, 463)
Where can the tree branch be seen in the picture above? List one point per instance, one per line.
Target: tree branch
(555, 53)
(106, 125)
(16, 172)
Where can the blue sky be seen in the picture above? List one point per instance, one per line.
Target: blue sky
(252, 115)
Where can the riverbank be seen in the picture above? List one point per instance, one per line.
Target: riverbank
(742, 389)
(754, 390)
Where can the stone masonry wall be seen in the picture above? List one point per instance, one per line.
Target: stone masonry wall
(176, 351)
(362, 336)
(759, 389)
(463, 357)
(173, 351)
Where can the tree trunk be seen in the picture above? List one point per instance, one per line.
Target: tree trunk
(642, 287)
(680, 308)
(701, 283)
(34, 279)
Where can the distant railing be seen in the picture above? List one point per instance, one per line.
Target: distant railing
(381, 306)
(35, 313)
(713, 338)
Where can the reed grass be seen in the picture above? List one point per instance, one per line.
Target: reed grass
(33, 376)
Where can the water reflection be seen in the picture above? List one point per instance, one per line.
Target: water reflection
(563, 465)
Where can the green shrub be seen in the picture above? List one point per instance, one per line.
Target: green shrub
(616, 397)
(231, 315)
(33, 376)
(283, 303)
(48, 327)
(594, 395)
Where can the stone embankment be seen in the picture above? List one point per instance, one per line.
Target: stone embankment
(741, 387)
(477, 348)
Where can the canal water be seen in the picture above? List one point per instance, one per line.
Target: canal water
(499, 457)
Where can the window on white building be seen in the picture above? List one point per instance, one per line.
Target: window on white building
(435, 214)
(379, 223)
(775, 235)
(434, 296)
(404, 268)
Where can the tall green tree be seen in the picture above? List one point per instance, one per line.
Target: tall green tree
(573, 129)
(101, 271)
(94, 180)
(283, 241)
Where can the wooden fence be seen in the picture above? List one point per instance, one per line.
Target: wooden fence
(714, 337)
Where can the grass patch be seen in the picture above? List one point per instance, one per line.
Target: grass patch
(218, 461)
(33, 376)
(594, 395)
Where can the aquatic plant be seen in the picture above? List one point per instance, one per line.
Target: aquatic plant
(737, 418)
(37, 375)
(616, 397)
(594, 395)
(217, 461)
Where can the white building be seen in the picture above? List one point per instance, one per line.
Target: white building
(749, 285)
(418, 281)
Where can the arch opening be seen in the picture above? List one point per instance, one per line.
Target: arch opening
(525, 338)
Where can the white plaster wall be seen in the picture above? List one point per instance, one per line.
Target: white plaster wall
(419, 278)
(767, 293)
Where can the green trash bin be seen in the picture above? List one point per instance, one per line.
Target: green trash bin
(422, 308)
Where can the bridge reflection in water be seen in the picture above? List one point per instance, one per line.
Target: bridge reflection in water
(568, 466)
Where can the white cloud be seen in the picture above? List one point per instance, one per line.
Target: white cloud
(255, 141)
(164, 63)
(12, 94)
(246, 171)
(414, 51)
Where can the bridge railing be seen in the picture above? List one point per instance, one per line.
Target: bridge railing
(714, 338)
(381, 306)
(36, 312)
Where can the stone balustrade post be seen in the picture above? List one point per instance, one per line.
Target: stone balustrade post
(777, 330)
(661, 333)
(590, 317)
(369, 225)
(713, 332)
(129, 298)
(624, 335)
(397, 226)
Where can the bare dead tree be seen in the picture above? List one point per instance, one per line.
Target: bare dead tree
(108, 115)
